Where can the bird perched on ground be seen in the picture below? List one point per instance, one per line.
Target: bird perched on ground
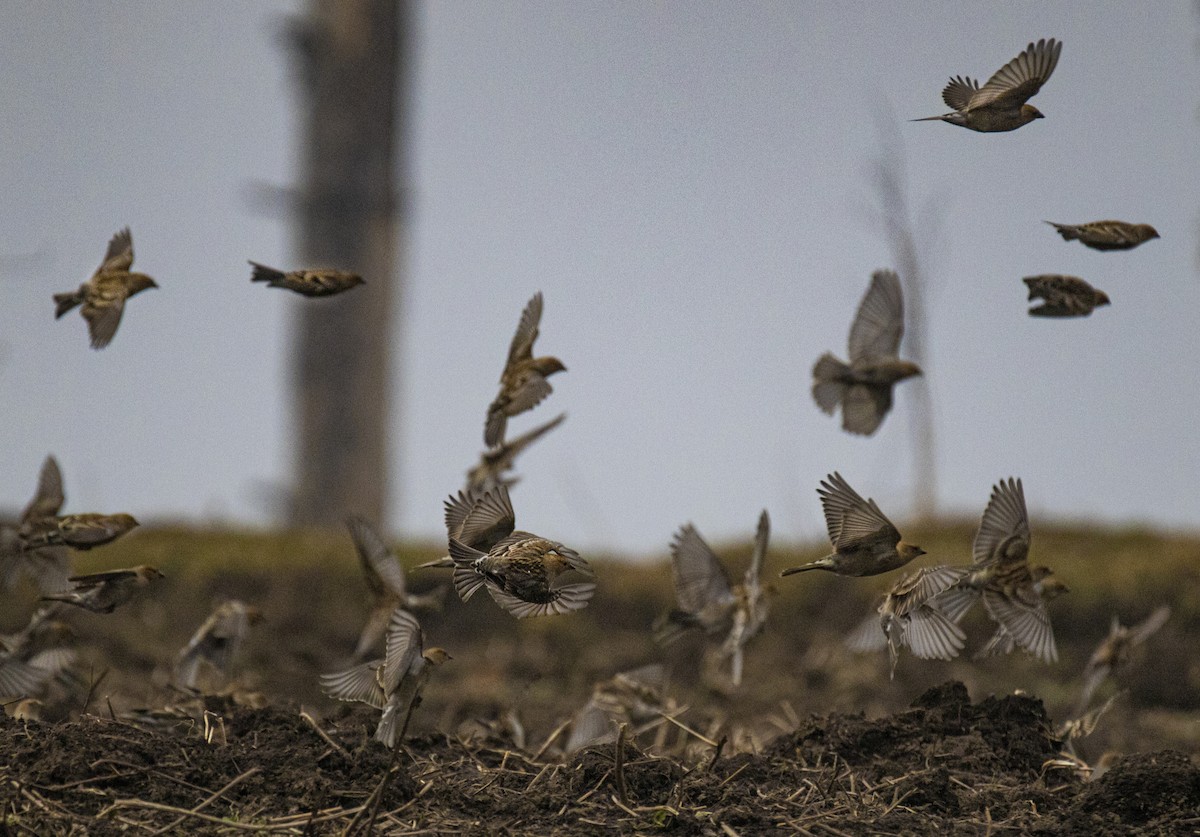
(47, 566)
(318, 282)
(217, 641)
(388, 585)
(523, 382)
(864, 541)
(863, 387)
(493, 463)
(708, 601)
(908, 620)
(1000, 574)
(633, 697)
(1048, 586)
(1107, 235)
(1065, 296)
(1114, 652)
(78, 531)
(1000, 105)
(516, 567)
(103, 296)
(104, 592)
(392, 684)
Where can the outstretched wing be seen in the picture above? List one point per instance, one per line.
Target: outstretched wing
(1004, 528)
(700, 580)
(381, 568)
(521, 347)
(879, 323)
(1019, 79)
(851, 520)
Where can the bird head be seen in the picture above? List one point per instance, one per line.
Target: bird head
(547, 366)
(436, 656)
(909, 551)
(146, 574)
(124, 522)
(907, 369)
(1146, 232)
(1030, 113)
(1102, 298)
(139, 282)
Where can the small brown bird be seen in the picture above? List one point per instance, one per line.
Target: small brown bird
(634, 697)
(103, 296)
(707, 600)
(1000, 574)
(318, 282)
(523, 383)
(104, 592)
(47, 566)
(863, 387)
(216, 642)
(493, 463)
(1000, 104)
(908, 620)
(78, 531)
(517, 573)
(864, 541)
(1114, 653)
(1048, 586)
(1073, 729)
(386, 580)
(1065, 296)
(1107, 235)
(392, 684)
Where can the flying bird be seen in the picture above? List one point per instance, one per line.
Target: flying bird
(47, 566)
(1114, 652)
(864, 541)
(216, 642)
(78, 531)
(1001, 576)
(1000, 105)
(104, 592)
(1048, 586)
(103, 296)
(1064, 296)
(863, 387)
(907, 619)
(314, 283)
(1107, 235)
(392, 684)
(493, 463)
(486, 550)
(709, 601)
(634, 696)
(386, 580)
(523, 382)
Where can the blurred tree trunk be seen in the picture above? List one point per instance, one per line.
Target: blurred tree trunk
(355, 56)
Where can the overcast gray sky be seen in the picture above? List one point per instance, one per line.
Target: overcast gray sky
(686, 183)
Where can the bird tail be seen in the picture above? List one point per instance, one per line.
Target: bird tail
(497, 421)
(941, 117)
(443, 563)
(1068, 232)
(262, 273)
(828, 389)
(385, 733)
(65, 302)
(803, 568)
(467, 580)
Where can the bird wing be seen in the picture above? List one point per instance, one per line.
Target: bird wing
(919, 587)
(850, 519)
(358, 683)
(402, 647)
(119, 256)
(521, 347)
(490, 520)
(1149, 626)
(531, 391)
(49, 497)
(867, 636)
(564, 599)
(591, 725)
(1019, 79)
(931, 636)
(700, 579)
(94, 579)
(104, 318)
(1027, 621)
(754, 571)
(380, 566)
(502, 457)
(864, 407)
(957, 94)
(879, 323)
(1004, 528)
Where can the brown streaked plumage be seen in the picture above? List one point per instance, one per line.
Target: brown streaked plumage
(864, 541)
(1114, 652)
(392, 684)
(1065, 296)
(47, 566)
(387, 582)
(1048, 586)
(1107, 235)
(216, 642)
(493, 463)
(709, 601)
(78, 531)
(863, 387)
(478, 519)
(518, 572)
(315, 282)
(523, 382)
(1001, 576)
(1000, 105)
(908, 620)
(103, 296)
(104, 592)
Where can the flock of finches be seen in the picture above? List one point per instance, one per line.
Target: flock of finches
(521, 571)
